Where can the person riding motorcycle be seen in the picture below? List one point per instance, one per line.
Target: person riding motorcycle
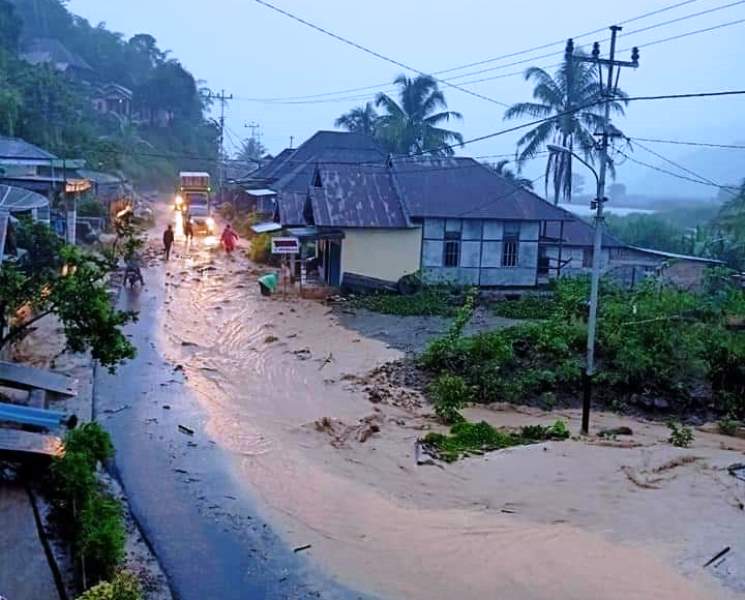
(133, 271)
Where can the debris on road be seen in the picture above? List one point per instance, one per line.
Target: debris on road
(301, 548)
(614, 431)
(327, 360)
(113, 411)
(186, 430)
(717, 556)
(737, 470)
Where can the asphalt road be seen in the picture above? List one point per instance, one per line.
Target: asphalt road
(200, 521)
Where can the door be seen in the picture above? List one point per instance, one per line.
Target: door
(333, 264)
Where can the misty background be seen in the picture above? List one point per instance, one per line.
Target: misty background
(260, 56)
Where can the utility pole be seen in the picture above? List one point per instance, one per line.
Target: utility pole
(223, 100)
(608, 94)
(292, 141)
(254, 127)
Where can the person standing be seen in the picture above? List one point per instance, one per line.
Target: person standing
(168, 238)
(189, 231)
(228, 238)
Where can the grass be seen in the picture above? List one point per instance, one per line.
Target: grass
(429, 301)
(477, 438)
(526, 307)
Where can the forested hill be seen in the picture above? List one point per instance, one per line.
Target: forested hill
(54, 65)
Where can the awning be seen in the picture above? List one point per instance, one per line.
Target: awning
(16, 199)
(313, 233)
(266, 227)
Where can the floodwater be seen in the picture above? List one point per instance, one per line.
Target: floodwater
(556, 520)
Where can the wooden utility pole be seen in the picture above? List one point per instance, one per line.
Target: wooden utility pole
(609, 94)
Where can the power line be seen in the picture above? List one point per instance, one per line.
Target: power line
(494, 59)
(696, 144)
(324, 97)
(373, 52)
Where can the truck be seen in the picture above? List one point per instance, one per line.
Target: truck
(193, 201)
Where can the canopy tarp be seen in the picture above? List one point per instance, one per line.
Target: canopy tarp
(15, 199)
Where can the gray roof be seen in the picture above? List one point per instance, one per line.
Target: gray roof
(674, 256)
(579, 233)
(461, 187)
(16, 148)
(51, 50)
(15, 199)
(357, 196)
(291, 208)
(293, 170)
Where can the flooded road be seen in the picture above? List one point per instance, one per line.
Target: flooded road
(285, 434)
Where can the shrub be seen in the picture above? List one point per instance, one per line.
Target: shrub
(73, 479)
(450, 393)
(261, 248)
(726, 360)
(100, 539)
(124, 586)
(680, 435)
(91, 440)
(728, 426)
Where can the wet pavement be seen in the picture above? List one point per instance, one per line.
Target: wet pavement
(200, 521)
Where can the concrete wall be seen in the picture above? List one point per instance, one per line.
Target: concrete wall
(385, 254)
(481, 248)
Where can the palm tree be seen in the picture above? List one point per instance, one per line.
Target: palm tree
(414, 123)
(362, 119)
(573, 89)
(501, 169)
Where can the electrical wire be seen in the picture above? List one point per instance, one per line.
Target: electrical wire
(324, 97)
(373, 52)
(696, 144)
(386, 84)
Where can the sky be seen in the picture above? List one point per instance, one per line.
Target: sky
(254, 53)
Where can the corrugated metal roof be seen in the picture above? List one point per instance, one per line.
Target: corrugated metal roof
(17, 148)
(354, 196)
(15, 199)
(674, 256)
(461, 187)
(291, 208)
(266, 227)
(261, 193)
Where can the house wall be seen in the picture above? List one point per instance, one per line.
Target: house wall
(576, 258)
(480, 253)
(384, 254)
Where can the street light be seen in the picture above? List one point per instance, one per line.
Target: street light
(595, 285)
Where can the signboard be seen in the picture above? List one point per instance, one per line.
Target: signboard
(285, 245)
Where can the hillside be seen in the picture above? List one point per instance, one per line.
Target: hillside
(86, 92)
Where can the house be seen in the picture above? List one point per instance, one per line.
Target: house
(52, 52)
(113, 99)
(624, 263)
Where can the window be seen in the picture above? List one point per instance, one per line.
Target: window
(511, 244)
(587, 258)
(451, 249)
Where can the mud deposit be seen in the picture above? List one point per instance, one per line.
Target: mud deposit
(328, 451)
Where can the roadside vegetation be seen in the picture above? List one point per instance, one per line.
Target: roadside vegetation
(427, 301)
(88, 517)
(658, 347)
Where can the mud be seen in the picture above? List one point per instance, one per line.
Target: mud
(323, 435)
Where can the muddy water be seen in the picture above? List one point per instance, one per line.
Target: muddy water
(541, 522)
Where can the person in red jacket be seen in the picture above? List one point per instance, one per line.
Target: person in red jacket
(229, 238)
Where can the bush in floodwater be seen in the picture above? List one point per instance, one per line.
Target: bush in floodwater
(92, 441)
(680, 435)
(100, 539)
(123, 586)
(450, 393)
(261, 249)
(476, 438)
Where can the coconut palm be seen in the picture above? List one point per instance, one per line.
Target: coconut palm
(500, 168)
(573, 89)
(413, 124)
(362, 119)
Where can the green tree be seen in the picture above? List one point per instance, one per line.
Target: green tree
(500, 168)
(650, 231)
(56, 279)
(573, 89)
(728, 241)
(10, 26)
(251, 151)
(413, 124)
(362, 119)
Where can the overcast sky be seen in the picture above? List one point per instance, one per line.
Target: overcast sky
(253, 52)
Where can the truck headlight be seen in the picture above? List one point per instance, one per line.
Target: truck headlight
(210, 223)
(179, 201)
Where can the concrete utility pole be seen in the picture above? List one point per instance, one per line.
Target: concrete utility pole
(608, 95)
(223, 100)
(254, 127)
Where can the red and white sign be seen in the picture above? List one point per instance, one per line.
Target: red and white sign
(285, 245)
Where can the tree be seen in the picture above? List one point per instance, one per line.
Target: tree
(10, 27)
(413, 125)
(729, 227)
(501, 169)
(251, 151)
(573, 89)
(363, 119)
(54, 278)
